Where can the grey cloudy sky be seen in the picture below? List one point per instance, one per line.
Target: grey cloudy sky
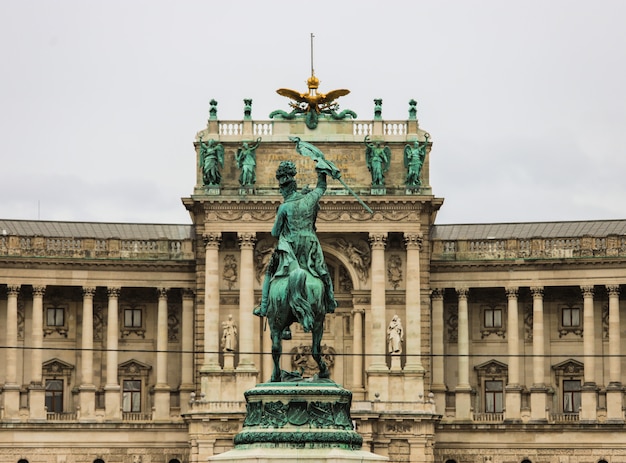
(100, 101)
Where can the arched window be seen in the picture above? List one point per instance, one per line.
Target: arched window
(602, 461)
(526, 460)
(450, 461)
(22, 460)
(174, 460)
(98, 460)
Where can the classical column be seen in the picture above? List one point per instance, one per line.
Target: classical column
(463, 389)
(376, 347)
(211, 302)
(11, 390)
(538, 390)
(87, 390)
(357, 350)
(112, 403)
(413, 336)
(438, 386)
(588, 394)
(614, 390)
(413, 369)
(513, 388)
(246, 302)
(187, 381)
(36, 392)
(162, 388)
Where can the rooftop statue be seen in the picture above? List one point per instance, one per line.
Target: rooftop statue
(378, 157)
(211, 161)
(246, 161)
(312, 104)
(414, 155)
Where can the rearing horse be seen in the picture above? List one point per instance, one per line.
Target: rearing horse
(297, 297)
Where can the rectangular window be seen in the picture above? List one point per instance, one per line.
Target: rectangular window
(55, 316)
(570, 317)
(493, 318)
(494, 396)
(132, 318)
(131, 396)
(571, 396)
(54, 395)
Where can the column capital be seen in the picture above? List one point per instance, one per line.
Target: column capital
(212, 240)
(587, 290)
(89, 291)
(13, 290)
(39, 291)
(162, 292)
(511, 292)
(537, 292)
(113, 292)
(357, 310)
(413, 241)
(188, 293)
(613, 290)
(462, 292)
(436, 294)
(378, 240)
(246, 240)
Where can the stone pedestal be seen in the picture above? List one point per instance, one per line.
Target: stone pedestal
(303, 421)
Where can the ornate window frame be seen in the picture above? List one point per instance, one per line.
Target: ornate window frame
(569, 370)
(126, 329)
(489, 322)
(134, 370)
(53, 309)
(58, 369)
(492, 371)
(573, 312)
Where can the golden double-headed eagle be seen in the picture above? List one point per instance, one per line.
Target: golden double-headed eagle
(312, 101)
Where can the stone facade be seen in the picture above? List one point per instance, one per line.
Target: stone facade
(111, 338)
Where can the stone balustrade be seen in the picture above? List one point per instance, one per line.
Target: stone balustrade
(534, 248)
(86, 248)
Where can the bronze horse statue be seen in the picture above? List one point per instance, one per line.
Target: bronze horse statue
(297, 297)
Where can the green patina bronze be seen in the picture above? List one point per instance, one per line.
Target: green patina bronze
(211, 161)
(247, 109)
(213, 110)
(378, 158)
(311, 118)
(246, 161)
(297, 285)
(412, 110)
(414, 155)
(305, 414)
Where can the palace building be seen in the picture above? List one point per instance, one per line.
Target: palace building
(135, 343)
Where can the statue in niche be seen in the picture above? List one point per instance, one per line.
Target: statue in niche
(262, 259)
(394, 270)
(246, 161)
(211, 161)
(414, 155)
(378, 157)
(395, 336)
(229, 335)
(230, 270)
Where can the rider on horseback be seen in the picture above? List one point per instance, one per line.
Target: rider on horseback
(298, 245)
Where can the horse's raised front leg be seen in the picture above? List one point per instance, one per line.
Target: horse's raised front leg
(318, 330)
(277, 349)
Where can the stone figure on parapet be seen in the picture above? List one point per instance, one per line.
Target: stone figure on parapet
(211, 161)
(378, 157)
(246, 161)
(395, 336)
(414, 155)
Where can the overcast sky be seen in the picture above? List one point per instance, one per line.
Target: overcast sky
(100, 101)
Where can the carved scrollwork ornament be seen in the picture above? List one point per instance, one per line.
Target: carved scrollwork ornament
(378, 240)
(212, 240)
(413, 241)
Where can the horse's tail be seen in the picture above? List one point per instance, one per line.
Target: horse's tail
(297, 299)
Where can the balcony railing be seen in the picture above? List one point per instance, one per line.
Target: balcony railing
(564, 417)
(489, 417)
(61, 416)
